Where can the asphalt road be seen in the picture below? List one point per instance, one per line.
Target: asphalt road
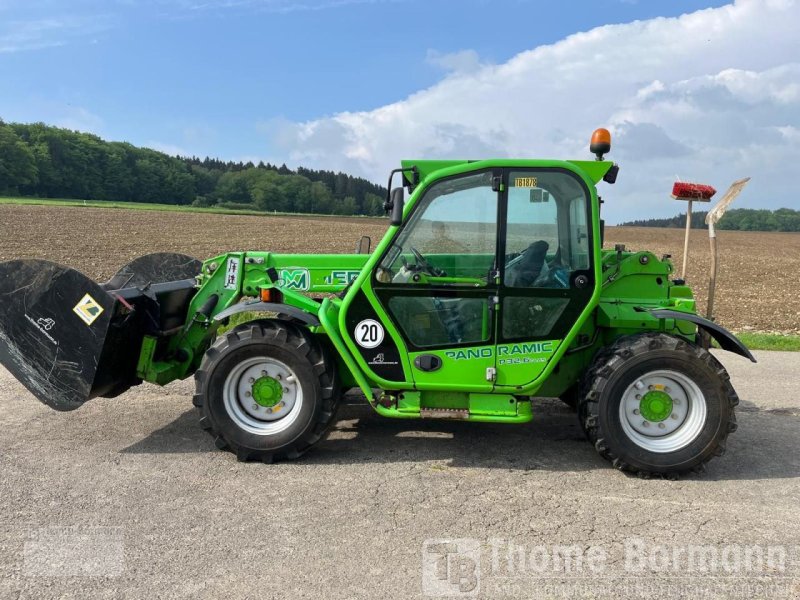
(129, 498)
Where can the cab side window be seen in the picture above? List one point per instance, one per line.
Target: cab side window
(440, 263)
(451, 237)
(546, 233)
(547, 246)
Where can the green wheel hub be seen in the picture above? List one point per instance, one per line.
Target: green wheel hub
(663, 411)
(267, 391)
(262, 395)
(656, 406)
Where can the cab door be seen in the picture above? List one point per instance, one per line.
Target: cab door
(546, 275)
(429, 307)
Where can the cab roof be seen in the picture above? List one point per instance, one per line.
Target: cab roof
(594, 170)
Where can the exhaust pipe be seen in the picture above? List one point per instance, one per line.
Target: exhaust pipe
(69, 339)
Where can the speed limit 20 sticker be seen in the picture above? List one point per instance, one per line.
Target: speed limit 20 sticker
(369, 333)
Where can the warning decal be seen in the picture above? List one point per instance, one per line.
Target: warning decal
(232, 274)
(88, 309)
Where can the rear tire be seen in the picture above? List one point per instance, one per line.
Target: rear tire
(657, 404)
(266, 390)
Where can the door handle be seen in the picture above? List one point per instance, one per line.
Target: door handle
(428, 362)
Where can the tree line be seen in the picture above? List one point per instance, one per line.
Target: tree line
(50, 162)
(737, 219)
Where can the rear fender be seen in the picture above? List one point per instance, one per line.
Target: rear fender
(725, 339)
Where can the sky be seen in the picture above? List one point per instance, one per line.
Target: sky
(691, 90)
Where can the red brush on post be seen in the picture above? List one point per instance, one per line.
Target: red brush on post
(692, 191)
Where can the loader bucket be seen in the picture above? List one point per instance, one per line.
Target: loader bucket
(69, 339)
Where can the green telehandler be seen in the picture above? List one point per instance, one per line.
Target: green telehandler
(490, 288)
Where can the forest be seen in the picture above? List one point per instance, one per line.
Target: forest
(736, 219)
(37, 160)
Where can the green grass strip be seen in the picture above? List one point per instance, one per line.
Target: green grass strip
(770, 341)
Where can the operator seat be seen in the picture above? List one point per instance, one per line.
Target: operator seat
(530, 265)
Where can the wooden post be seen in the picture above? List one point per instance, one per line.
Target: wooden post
(712, 218)
(712, 279)
(686, 239)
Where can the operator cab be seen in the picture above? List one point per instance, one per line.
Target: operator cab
(490, 267)
(522, 233)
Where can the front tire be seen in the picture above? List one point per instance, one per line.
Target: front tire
(656, 404)
(266, 390)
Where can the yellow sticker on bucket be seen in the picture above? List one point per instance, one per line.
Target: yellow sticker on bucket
(88, 309)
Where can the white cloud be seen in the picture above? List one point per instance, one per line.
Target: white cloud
(35, 34)
(463, 61)
(78, 118)
(713, 95)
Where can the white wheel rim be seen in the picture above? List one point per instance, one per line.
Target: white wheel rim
(249, 415)
(680, 428)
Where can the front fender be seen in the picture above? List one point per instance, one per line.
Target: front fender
(258, 306)
(725, 339)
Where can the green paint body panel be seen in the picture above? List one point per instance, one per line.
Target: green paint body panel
(492, 382)
(496, 408)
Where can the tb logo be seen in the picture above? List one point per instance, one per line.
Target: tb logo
(451, 567)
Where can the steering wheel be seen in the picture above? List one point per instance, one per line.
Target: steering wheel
(423, 264)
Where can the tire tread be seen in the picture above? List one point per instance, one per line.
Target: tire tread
(611, 359)
(301, 342)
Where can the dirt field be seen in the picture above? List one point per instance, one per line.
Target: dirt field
(757, 289)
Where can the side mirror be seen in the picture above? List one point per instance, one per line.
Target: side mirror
(363, 245)
(397, 203)
(611, 175)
